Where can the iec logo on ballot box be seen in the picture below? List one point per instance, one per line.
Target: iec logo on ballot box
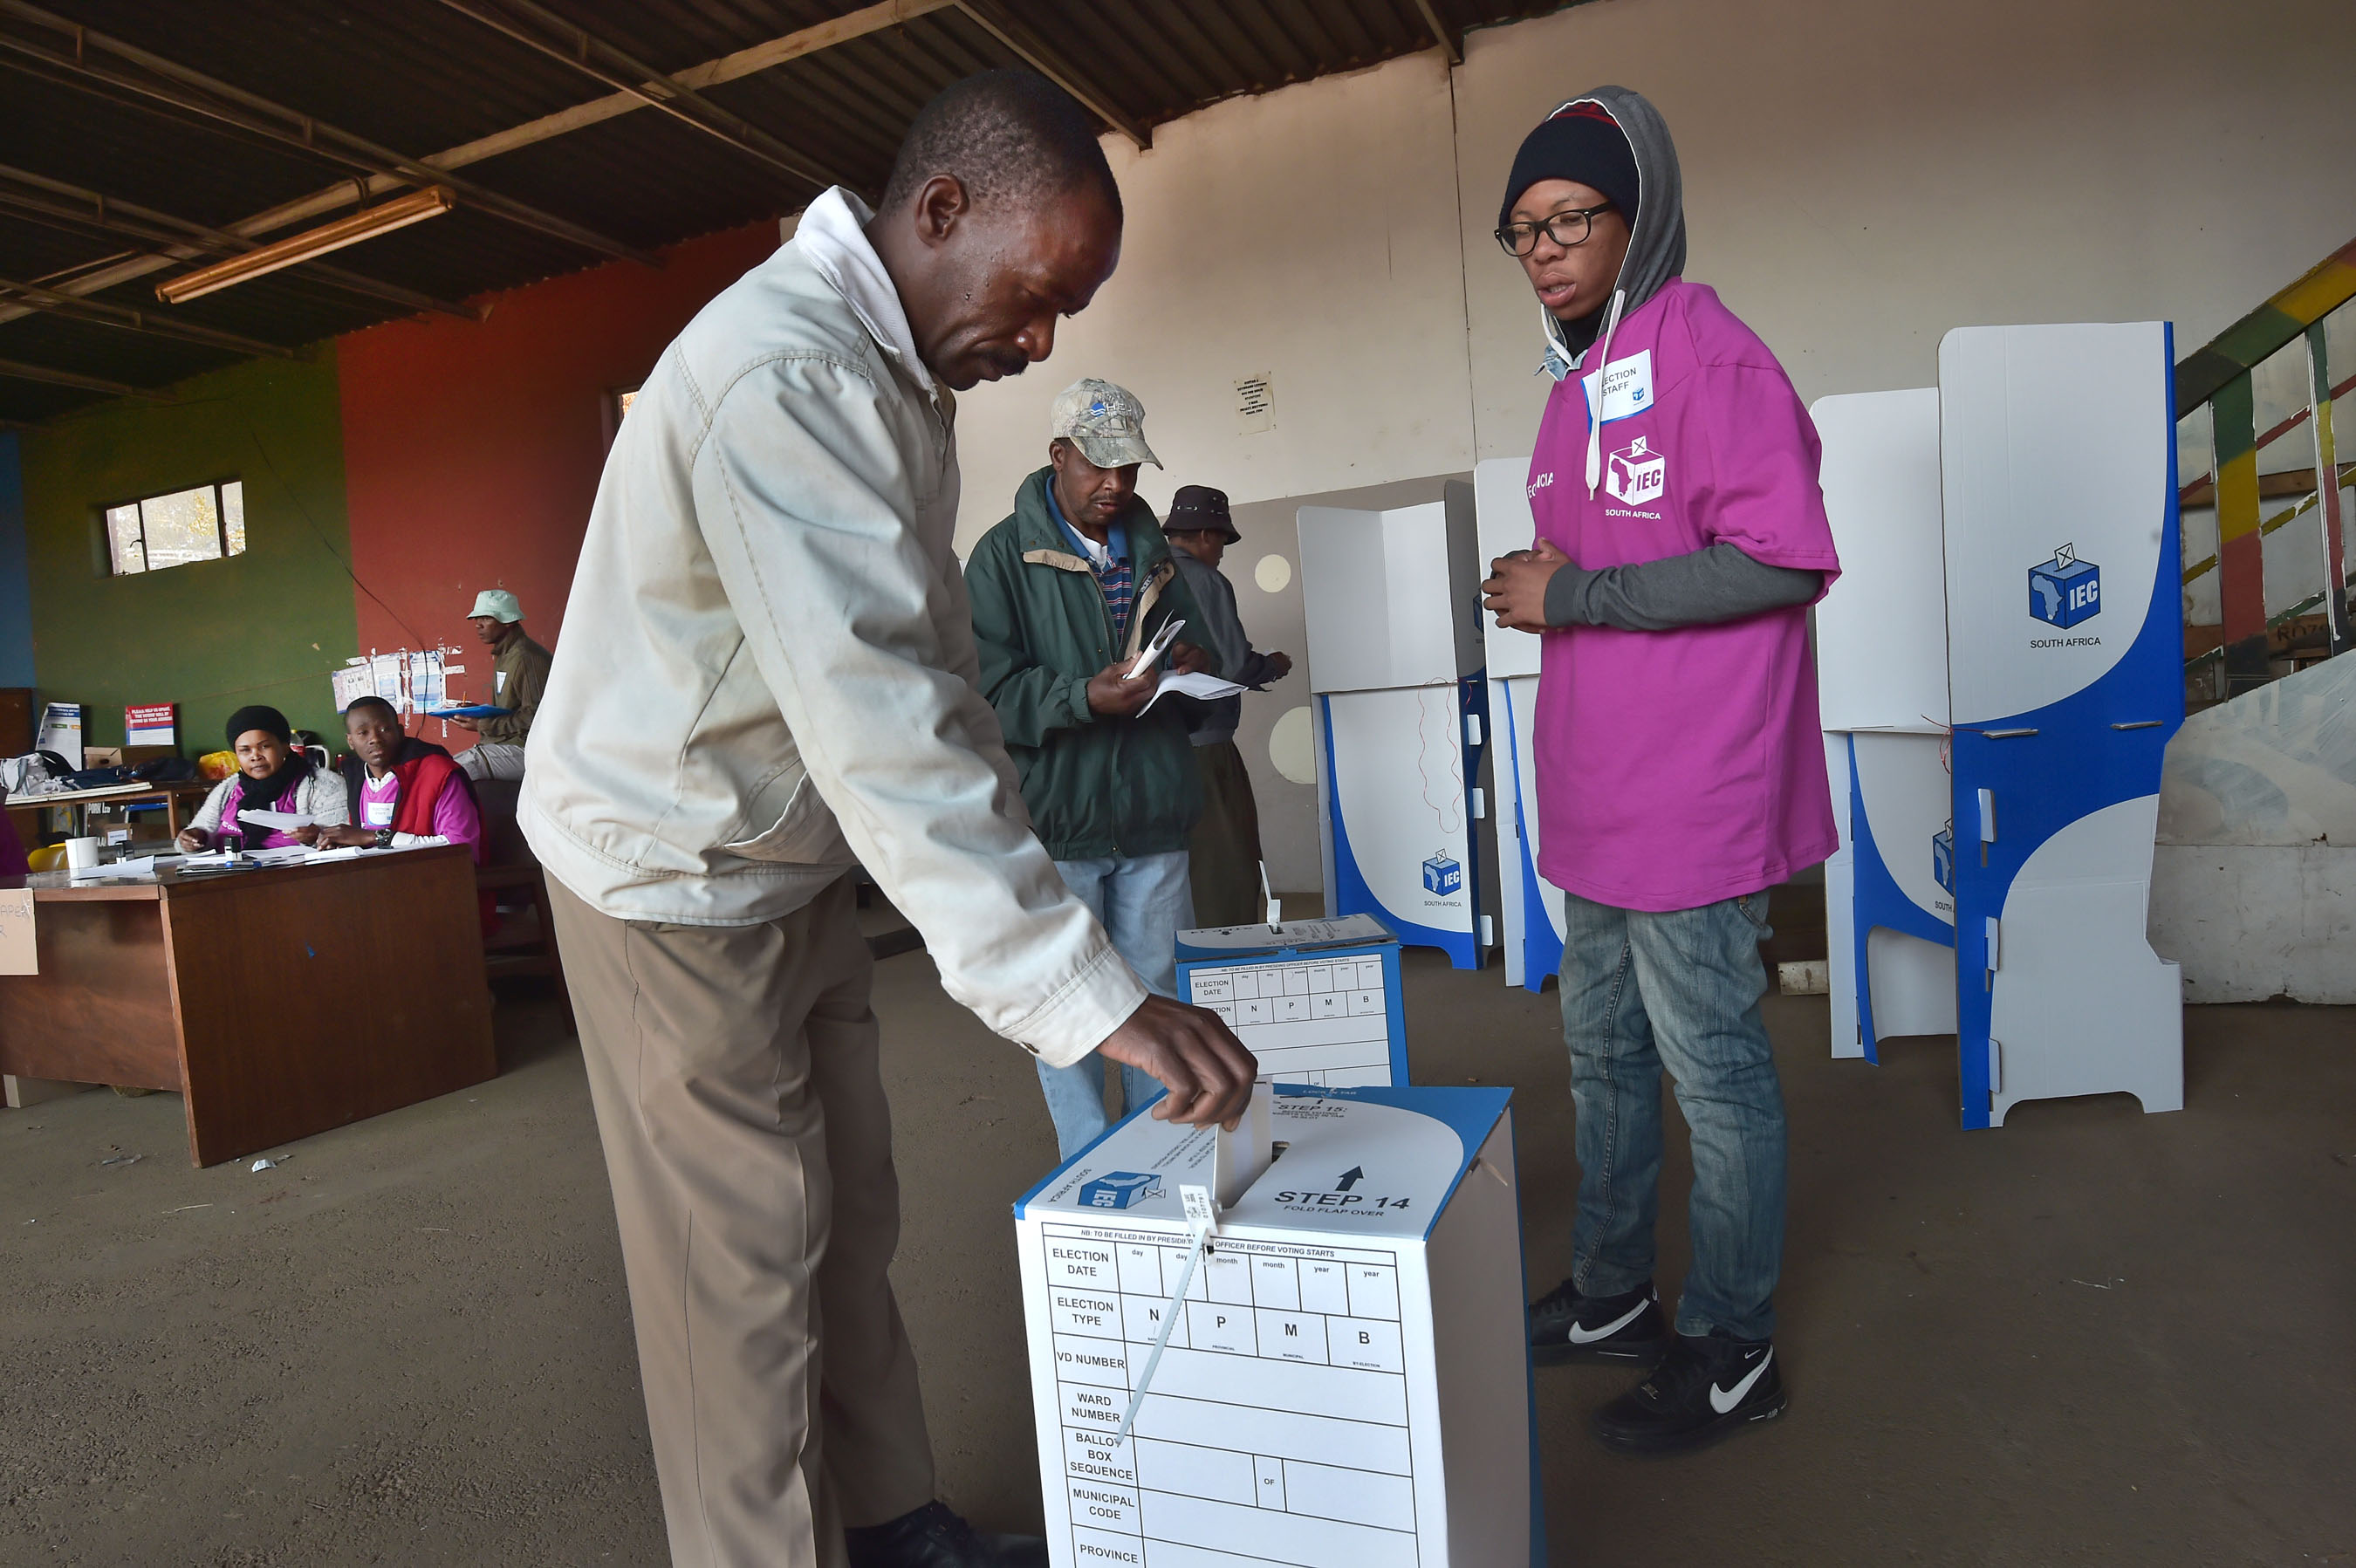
(1330, 1369)
(1120, 1189)
(2065, 590)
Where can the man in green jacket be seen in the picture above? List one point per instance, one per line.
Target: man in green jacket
(1066, 594)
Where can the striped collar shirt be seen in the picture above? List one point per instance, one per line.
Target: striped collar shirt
(1109, 562)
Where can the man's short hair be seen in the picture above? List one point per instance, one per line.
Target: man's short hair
(359, 702)
(1005, 136)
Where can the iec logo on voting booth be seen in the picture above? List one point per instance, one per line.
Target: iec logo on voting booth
(1636, 474)
(1442, 875)
(2065, 590)
(1120, 1189)
(1943, 857)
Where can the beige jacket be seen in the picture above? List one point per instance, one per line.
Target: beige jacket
(770, 667)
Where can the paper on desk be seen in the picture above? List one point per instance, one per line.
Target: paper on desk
(353, 852)
(142, 866)
(18, 954)
(1204, 688)
(284, 822)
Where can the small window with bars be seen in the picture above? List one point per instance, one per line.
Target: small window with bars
(207, 523)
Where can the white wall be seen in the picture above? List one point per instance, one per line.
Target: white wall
(2254, 880)
(1310, 234)
(1860, 178)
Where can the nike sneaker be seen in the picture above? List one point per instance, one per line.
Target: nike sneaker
(1567, 1327)
(1706, 1386)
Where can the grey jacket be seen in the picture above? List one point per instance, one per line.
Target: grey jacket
(771, 667)
(1221, 634)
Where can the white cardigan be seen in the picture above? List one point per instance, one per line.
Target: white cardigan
(322, 796)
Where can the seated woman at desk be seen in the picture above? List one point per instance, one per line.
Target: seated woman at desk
(401, 789)
(271, 776)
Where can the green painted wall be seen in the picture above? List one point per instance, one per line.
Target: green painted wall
(265, 627)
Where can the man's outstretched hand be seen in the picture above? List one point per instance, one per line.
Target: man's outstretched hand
(1196, 1057)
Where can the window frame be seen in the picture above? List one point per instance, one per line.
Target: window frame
(614, 407)
(220, 526)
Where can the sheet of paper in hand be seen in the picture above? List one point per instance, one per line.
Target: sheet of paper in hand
(1206, 688)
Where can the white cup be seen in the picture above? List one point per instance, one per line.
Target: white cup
(82, 854)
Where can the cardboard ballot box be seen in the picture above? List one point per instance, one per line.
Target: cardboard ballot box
(1316, 1001)
(1346, 1382)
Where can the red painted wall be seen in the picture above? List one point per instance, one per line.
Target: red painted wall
(471, 451)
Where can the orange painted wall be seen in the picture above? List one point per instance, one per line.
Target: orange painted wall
(471, 451)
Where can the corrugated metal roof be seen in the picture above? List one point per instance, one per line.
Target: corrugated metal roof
(419, 78)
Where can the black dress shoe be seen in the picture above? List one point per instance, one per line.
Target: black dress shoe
(933, 1537)
(1567, 1327)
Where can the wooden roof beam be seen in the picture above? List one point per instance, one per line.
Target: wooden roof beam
(1042, 57)
(105, 313)
(167, 82)
(24, 372)
(743, 63)
(72, 206)
(547, 34)
(1451, 43)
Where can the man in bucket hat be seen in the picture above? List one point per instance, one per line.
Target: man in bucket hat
(1067, 593)
(1224, 855)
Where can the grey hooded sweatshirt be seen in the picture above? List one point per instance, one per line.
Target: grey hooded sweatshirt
(1707, 587)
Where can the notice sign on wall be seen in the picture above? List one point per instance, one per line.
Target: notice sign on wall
(150, 724)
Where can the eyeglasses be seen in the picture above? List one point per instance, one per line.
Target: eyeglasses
(1565, 228)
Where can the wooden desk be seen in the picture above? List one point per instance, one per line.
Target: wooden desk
(280, 1002)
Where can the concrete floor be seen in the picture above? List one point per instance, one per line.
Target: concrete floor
(2091, 1337)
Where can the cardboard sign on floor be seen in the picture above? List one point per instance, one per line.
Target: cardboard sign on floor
(1345, 1381)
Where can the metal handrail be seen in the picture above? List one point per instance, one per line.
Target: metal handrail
(2218, 377)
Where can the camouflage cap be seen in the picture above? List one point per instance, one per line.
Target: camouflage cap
(1105, 421)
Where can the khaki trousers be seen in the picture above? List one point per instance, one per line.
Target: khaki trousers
(1224, 852)
(735, 1075)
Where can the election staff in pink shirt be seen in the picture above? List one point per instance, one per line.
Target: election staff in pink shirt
(1681, 537)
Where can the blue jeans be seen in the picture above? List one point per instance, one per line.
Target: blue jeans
(1680, 990)
(1142, 903)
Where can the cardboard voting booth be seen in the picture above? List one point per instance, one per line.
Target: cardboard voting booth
(1315, 1001)
(1343, 1381)
(1529, 907)
(1392, 602)
(2001, 669)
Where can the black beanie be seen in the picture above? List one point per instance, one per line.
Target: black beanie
(261, 716)
(1579, 141)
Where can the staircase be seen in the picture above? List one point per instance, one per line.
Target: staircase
(2265, 518)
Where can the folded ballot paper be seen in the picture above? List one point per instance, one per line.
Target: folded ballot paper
(276, 822)
(1333, 1365)
(1204, 688)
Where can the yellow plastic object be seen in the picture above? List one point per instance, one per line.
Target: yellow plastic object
(217, 766)
(51, 857)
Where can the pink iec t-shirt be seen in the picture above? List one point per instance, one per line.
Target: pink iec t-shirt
(1677, 769)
